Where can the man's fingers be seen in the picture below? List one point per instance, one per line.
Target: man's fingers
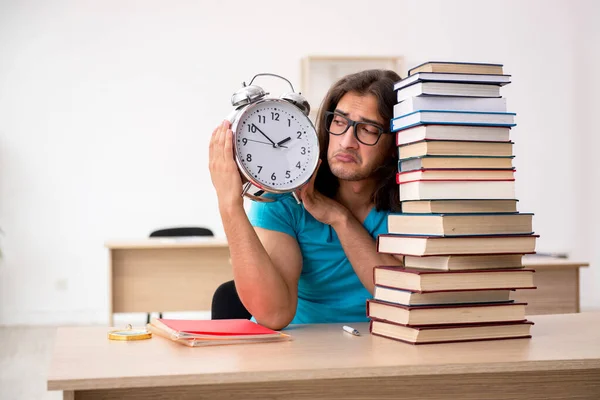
(229, 144)
(213, 138)
(220, 140)
(212, 146)
(221, 134)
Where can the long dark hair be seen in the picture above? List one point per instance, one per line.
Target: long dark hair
(379, 83)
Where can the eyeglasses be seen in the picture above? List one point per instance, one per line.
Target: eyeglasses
(365, 132)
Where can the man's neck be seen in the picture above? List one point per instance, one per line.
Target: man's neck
(356, 197)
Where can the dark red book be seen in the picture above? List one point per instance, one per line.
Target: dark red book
(450, 314)
(431, 334)
(422, 281)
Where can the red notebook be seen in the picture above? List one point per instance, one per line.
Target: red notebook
(214, 332)
(218, 327)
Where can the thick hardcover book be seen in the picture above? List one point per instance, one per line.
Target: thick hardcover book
(463, 133)
(446, 314)
(410, 245)
(449, 206)
(465, 189)
(451, 333)
(456, 163)
(410, 298)
(457, 67)
(490, 79)
(460, 224)
(448, 89)
(455, 174)
(423, 281)
(465, 262)
(449, 117)
(497, 104)
(455, 148)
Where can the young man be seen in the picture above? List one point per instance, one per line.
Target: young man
(313, 262)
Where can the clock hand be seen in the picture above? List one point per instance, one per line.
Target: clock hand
(287, 139)
(258, 141)
(268, 138)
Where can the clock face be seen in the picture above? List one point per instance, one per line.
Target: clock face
(276, 145)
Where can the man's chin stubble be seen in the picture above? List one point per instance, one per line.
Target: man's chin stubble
(345, 175)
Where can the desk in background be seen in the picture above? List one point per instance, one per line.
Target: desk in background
(166, 274)
(181, 274)
(557, 281)
(561, 361)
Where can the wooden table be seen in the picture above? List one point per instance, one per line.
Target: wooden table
(181, 274)
(561, 361)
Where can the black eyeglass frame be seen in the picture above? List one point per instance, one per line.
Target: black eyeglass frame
(353, 124)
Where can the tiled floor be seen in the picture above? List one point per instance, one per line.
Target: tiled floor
(24, 359)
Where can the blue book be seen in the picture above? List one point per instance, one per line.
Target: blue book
(449, 117)
(455, 162)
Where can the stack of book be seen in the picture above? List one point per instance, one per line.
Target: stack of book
(459, 233)
(197, 333)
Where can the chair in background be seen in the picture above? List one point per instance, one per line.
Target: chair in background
(226, 303)
(179, 232)
(182, 231)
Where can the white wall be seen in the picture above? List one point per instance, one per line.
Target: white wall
(106, 110)
(586, 137)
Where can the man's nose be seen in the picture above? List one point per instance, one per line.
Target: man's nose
(349, 140)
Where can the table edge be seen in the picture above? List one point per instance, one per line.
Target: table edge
(335, 373)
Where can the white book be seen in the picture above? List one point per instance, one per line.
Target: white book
(408, 298)
(453, 132)
(448, 89)
(489, 79)
(486, 104)
(436, 246)
(447, 117)
(457, 190)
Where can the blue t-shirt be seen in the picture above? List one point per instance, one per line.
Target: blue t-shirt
(328, 290)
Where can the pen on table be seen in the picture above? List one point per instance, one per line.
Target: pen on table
(351, 330)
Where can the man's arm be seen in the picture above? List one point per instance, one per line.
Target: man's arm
(361, 250)
(266, 274)
(359, 246)
(266, 268)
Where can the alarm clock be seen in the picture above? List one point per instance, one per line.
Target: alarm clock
(276, 147)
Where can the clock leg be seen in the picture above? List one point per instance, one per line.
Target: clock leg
(296, 197)
(247, 187)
